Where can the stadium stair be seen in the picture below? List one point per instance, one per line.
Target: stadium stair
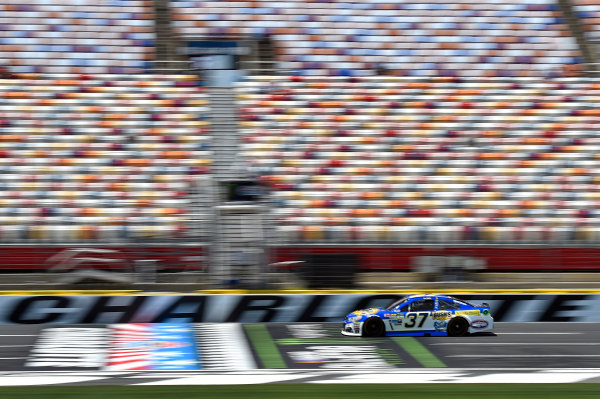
(167, 57)
(588, 50)
(238, 245)
(228, 161)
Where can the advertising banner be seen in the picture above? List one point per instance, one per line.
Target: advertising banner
(266, 308)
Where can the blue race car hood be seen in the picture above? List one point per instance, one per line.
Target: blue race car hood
(364, 313)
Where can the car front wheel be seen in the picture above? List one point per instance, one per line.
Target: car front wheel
(373, 327)
(458, 327)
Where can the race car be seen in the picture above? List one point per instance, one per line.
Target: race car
(420, 315)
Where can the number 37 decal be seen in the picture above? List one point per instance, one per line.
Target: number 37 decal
(411, 319)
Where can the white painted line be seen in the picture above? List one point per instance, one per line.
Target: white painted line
(455, 376)
(538, 333)
(528, 378)
(14, 346)
(517, 343)
(12, 358)
(524, 355)
(44, 380)
(18, 335)
(73, 372)
(446, 376)
(396, 378)
(228, 379)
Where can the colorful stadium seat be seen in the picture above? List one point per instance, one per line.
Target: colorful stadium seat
(403, 38)
(431, 160)
(102, 157)
(74, 36)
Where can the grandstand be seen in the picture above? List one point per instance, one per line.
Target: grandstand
(391, 136)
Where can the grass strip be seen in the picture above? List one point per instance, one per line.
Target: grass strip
(312, 391)
(418, 351)
(264, 346)
(322, 341)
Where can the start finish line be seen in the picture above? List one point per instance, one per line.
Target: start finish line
(206, 353)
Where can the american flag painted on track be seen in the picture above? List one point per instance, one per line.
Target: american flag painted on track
(166, 346)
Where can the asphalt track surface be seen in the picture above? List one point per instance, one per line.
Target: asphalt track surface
(523, 345)
(514, 352)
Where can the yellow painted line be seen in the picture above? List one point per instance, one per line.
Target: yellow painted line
(72, 292)
(308, 292)
(401, 292)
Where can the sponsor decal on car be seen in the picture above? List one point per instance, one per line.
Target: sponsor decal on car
(442, 315)
(365, 312)
(468, 313)
(440, 325)
(479, 324)
(370, 311)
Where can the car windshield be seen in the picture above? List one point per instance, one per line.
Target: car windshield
(396, 303)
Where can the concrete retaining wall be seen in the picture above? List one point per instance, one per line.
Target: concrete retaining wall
(260, 308)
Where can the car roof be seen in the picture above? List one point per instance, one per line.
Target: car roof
(441, 296)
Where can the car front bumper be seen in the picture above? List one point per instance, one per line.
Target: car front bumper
(353, 329)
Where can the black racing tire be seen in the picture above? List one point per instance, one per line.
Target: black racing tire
(373, 327)
(458, 327)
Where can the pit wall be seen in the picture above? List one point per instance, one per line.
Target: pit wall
(261, 308)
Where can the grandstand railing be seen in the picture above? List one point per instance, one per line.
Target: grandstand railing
(477, 266)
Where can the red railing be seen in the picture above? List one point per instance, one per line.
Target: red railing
(496, 258)
(188, 258)
(42, 258)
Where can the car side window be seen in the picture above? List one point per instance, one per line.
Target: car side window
(421, 305)
(447, 305)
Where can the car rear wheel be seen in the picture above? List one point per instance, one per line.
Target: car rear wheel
(458, 327)
(373, 327)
